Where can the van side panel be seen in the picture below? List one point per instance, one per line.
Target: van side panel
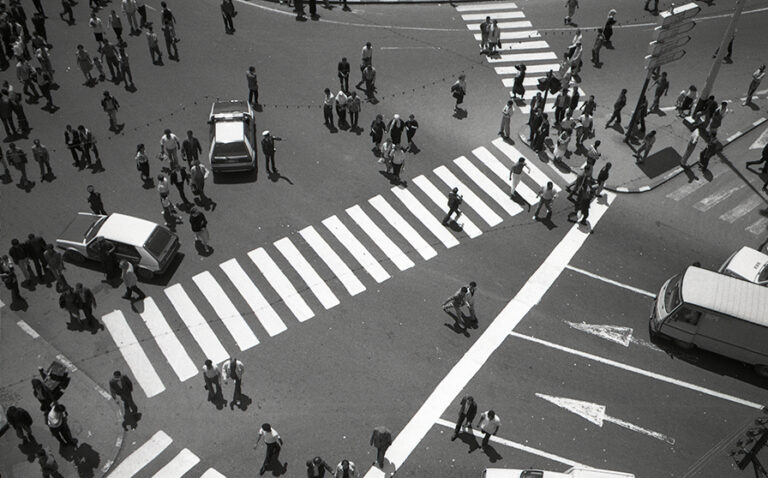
(738, 339)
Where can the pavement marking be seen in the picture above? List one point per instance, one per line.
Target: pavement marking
(733, 136)
(504, 26)
(227, 312)
(211, 473)
(473, 360)
(406, 230)
(759, 226)
(166, 340)
(522, 57)
(427, 219)
(468, 17)
(28, 329)
(382, 241)
(517, 446)
(639, 371)
(714, 199)
(281, 284)
(529, 70)
(742, 209)
(484, 7)
(345, 275)
(503, 173)
(252, 295)
(470, 198)
(356, 248)
(196, 324)
(181, 463)
(688, 188)
(441, 201)
(612, 333)
(66, 362)
(611, 281)
(520, 35)
(484, 183)
(524, 45)
(761, 141)
(527, 81)
(313, 280)
(147, 452)
(410, 48)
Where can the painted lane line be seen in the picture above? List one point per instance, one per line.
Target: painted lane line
(167, 341)
(227, 312)
(402, 226)
(478, 354)
(147, 452)
(427, 219)
(549, 107)
(281, 284)
(211, 473)
(133, 354)
(742, 209)
(26, 328)
(410, 48)
(611, 281)
(532, 70)
(345, 275)
(504, 26)
(513, 154)
(523, 45)
(714, 199)
(196, 324)
(516, 446)
(468, 17)
(527, 81)
(470, 198)
(308, 274)
(522, 57)
(519, 35)
(252, 295)
(485, 7)
(762, 140)
(181, 463)
(503, 173)
(689, 188)
(639, 371)
(356, 248)
(66, 362)
(612, 333)
(759, 226)
(732, 137)
(382, 241)
(441, 201)
(484, 183)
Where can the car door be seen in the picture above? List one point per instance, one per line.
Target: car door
(127, 252)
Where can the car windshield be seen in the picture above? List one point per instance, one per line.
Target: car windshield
(228, 150)
(158, 241)
(94, 229)
(672, 294)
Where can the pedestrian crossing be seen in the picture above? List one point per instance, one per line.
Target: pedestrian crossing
(241, 302)
(142, 461)
(520, 43)
(731, 198)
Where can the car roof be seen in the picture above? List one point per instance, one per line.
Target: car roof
(230, 107)
(744, 262)
(729, 295)
(126, 229)
(229, 132)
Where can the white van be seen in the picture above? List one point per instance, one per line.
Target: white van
(747, 264)
(714, 312)
(575, 472)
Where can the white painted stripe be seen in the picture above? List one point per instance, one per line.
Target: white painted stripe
(742, 209)
(759, 226)
(643, 189)
(356, 248)
(502, 171)
(409, 233)
(345, 275)
(441, 201)
(134, 355)
(66, 362)
(490, 188)
(252, 295)
(196, 324)
(486, 7)
(522, 57)
(639, 371)
(514, 154)
(478, 354)
(313, 280)
(426, 218)
(181, 463)
(519, 35)
(524, 45)
(611, 281)
(211, 473)
(733, 136)
(504, 25)
(227, 312)
(527, 81)
(759, 122)
(517, 446)
(688, 188)
(468, 17)
(26, 328)
(281, 284)
(167, 341)
(470, 198)
(137, 460)
(387, 246)
(714, 199)
(530, 70)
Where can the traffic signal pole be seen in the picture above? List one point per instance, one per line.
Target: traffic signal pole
(637, 106)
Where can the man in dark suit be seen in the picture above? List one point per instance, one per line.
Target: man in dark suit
(344, 74)
(268, 147)
(120, 386)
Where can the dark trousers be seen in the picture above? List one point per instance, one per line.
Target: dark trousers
(328, 114)
(68, 12)
(125, 71)
(353, 117)
(30, 85)
(313, 7)
(180, 188)
(559, 114)
(142, 15)
(213, 386)
(269, 159)
(10, 128)
(451, 210)
(273, 453)
(341, 112)
(615, 116)
(460, 423)
(253, 96)
(75, 156)
(299, 7)
(63, 434)
(130, 290)
(40, 263)
(114, 67)
(129, 406)
(486, 437)
(344, 82)
(369, 88)
(89, 317)
(238, 389)
(380, 452)
(155, 50)
(229, 25)
(46, 92)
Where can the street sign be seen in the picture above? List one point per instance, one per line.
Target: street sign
(678, 14)
(656, 47)
(654, 61)
(663, 34)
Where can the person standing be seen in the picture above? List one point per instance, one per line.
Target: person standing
(454, 201)
(197, 176)
(366, 59)
(110, 105)
(253, 86)
(608, 28)
(494, 37)
(94, 200)
(328, 101)
(40, 153)
(459, 90)
(645, 147)
(757, 77)
(110, 55)
(506, 117)
(129, 10)
(55, 263)
(170, 145)
(341, 107)
(411, 126)
(546, 195)
(191, 149)
(369, 77)
(35, 246)
(763, 159)
(21, 421)
(489, 424)
(6, 115)
(598, 45)
(18, 159)
(706, 154)
(108, 257)
(541, 134)
(515, 173)
(485, 29)
(20, 256)
(316, 468)
(534, 123)
(25, 73)
(690, 147)
(121, 387)
(125, 69)
(97, 27)
(87, 302)
(199, 225)
(18, 109)
(662, 88)
(114, 22)
(583, 201)
(561, 148)
(130, 281)
(273, 443)
(45, 82)
(343, 72)
(268, 148)
(88, 142)
(571, 5)
(395, 128)
(574, 101)
(354, 105)
(8, 277)
(154, 46)
(57, 423)
(227, 14)
(621, 101)
(178, 178)
(381, 439)
(212, 379)
(561, 104)
(717, 119)
(467, 412)
(518, 87)
(72, 140)
(398, 161)
(346, 469)
(234, 369)
(377, 131)
(602, 177)
(142, 163)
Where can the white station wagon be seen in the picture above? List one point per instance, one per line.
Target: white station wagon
(148, 246)
(747, 264)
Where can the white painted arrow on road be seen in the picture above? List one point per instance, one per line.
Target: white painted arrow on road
(761, 141)
(596, 414)
(613, 333)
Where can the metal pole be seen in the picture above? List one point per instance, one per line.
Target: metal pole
(637, 107)
(549, 82)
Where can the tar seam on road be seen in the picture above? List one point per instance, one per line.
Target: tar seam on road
(611, 281)
(473, 360)
(630, 368)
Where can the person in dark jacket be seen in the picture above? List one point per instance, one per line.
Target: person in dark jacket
(21, 422)
(35, 247)
(20, 256)
(87, 302)
(343, 68)
(227, 13)
(191, 149)
(179, 177)
(467, 414)
(199, 225)
(42, 394)
(120, 386)
(268, 147)
(395, 128)
(94, 200)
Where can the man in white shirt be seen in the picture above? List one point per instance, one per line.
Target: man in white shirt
(328, 102)
(366, 58)
(233, 369)
(212, 378)
(489, 424)
(273, 442)
(169, 145)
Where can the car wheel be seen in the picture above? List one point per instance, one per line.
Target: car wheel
(144, 274)
(761, 370)
(74, 257)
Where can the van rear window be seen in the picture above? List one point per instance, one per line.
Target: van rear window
(672, 294)
(158, 241)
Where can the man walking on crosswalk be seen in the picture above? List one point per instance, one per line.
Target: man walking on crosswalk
(212, 379)
(233, 369)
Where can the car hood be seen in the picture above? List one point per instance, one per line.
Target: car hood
(77, 227)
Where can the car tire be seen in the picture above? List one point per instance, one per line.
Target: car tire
(74, 257)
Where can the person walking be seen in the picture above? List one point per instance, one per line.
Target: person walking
(6, 115)
(395, 128)
(757, 77)
(454, 201)
(582, 181)
(328, 101)
(583, 202)
(690, 147)
(518, 88)
(534, 123)
(227, 14)
(494, 37)
(55, 262)
(43, 158)
(377, 131)
(20, 420)
(130, 281)
(506, 117)
(597, 46)
(608, 28)
(763, 159)
(366, 59)
(561, 104)
(253, 86)
(459, 90)
(546, 195)
(268, 148)
(20, 257)
(154, 46)
(717, 119)
(467, 412)
(662, 88)
(129, 10)
(354, 105)
(574, 101)
(212, 379)
(116, 24)
(57, 423)
(645, 147)
(142, 163)
(411, 126)
(199, 225)
(45, 82)
(343, 72)
(18, 159)
(381, 439)
(121, 387)
(178, 178)
(47, 461)
(18, 109)
(489, 424)
(456, 301)
(110, 105)
(72, 141)
(233, 369)
(94, 200)
(198, 173)
(561, 148)
(170, 145)
(11, 283)
(398, 161)
(346, 469)
(369, 77)
(602, 177)
(273, 442)
(571, 5)
(316, 468)
(541, 134)
(88, 143)
(620, 103)
(706, 154)
(86, 301)
(25, 74)
(485, 29)
(515, 173)
(125, 69)
(191, 149)
(97, 27)
(34, 247)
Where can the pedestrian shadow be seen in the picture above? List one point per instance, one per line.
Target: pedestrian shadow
(202, 250)
(491, 453)
(753, 106)
(244, 402)
(690, 174)
(414, 149)
(469, 439)
(454, 226)
(331, 128)
(118, 128)
(518, 199)
(460, 113)
(617, 127)
(19, 305)
(29, 449)
(131, 420)
(278, 468)
(84, 457)
(357, 130)
(26, 187)
(131, 89)
(6, 179)
(50, 109)
(547, 221)
(660, 162)
(137, 306)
